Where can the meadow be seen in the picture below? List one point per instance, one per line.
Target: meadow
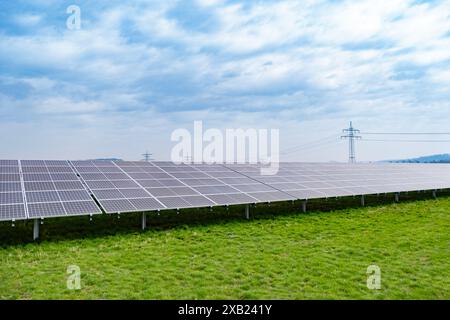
(280, 253)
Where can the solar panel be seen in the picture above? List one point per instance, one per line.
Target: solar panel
(114, 205)
(42, 196)
(6, 163)
(68, 185)
(10, 186)
(114, 189)
(12, 203)
(52, 189)
(80, 207)
(174, 202)
(183, 191)
(134, 193)
(198, 201)
(39, 186)
(74, 195)
(9, 169)
(146, 204)
(10, 212)
(184, 186)
(11, 198)
(45, 209)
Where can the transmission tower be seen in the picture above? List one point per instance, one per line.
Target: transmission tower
(351, 134)
(147, 156)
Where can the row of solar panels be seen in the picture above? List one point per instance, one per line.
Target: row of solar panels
(51, 188)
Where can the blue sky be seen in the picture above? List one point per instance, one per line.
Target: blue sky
(137, 70)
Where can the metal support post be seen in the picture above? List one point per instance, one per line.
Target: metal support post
(144, 220)
(304, 206)
(36, 229)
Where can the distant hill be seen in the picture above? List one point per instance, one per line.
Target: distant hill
(108, 159)
(437, 158)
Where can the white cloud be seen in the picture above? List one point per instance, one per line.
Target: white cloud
(28, 20)
(63, 105)
(310, 66)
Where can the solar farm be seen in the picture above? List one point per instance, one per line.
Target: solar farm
(223, 231)
(41, 189)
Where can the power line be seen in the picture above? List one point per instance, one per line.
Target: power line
(386, 140)
(353, 134)
(407, 133)
(308, 145)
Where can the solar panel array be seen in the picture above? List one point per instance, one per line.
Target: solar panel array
(46, 188)
(144, 186)
(315, 180)
(226, 186)
(185, 186)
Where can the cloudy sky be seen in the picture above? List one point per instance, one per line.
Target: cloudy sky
(137, 70)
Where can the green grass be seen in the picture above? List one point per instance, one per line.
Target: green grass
(219, 255)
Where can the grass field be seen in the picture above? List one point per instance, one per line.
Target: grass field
(279, 254)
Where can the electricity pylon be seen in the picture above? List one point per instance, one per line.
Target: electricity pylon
(147, 156)
(351, 134)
